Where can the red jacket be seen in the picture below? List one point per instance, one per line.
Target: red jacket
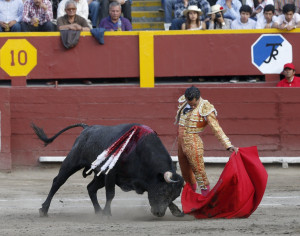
(285, 83)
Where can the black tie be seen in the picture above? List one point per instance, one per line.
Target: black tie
(185, 110)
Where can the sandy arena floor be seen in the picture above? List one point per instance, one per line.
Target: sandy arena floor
(71, 212)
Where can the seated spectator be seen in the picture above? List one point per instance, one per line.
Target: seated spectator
(289, 20)
(290, 79)
(126, 8)
(232, 8)
(182, 5)
(72, 21)
(85, 8)
(94, 10)
(244, 21)
(217, 20)
(257, 7)
(192, 14)
(278, 4)
(82, 8)
(10, 15)
(37, 16)
(115, 22)
(98, 9)
(266, 21)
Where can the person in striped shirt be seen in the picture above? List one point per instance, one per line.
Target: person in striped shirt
(37, 16)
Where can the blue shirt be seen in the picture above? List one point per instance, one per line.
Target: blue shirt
(11, 10)
(232, 13)
(109, 25)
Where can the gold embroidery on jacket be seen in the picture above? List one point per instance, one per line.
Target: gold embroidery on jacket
(190, 145)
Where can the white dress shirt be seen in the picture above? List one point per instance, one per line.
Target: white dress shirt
(295, 20)
(237, 24)
(11, 10)
(262, 6)
(261, 22)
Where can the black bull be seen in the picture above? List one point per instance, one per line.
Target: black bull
(143, 169)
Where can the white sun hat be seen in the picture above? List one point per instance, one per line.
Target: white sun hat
(192, 8)
(217, 8)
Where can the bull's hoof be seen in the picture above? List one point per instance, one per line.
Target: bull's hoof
(175, 210)
(106, 212)
(178, 214)
(99, 212)
(43, 213)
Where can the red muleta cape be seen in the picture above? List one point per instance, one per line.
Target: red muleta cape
(237, 193)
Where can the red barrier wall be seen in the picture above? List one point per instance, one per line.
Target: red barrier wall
(251, 114)
(200, 54)
(5, 131)
(206, 54)
(266, 117)
(88, 59)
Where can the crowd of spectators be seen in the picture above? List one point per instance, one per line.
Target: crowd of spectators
(231, 14)
(235, 14)
(42, 15)
(53, 15)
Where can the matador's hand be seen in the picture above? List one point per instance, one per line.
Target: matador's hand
(233, 149)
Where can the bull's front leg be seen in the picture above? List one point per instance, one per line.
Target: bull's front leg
(175, 210)
(110, 181)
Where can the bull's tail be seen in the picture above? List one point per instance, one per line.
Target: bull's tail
(42, 136)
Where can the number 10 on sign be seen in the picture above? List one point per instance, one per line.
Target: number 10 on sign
(18, 57)
(22, 58)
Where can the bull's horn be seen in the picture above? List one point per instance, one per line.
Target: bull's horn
(168, 177)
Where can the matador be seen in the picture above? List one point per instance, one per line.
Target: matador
(193, 115)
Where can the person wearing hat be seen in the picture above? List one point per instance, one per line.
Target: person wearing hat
(232, 8)
(217, 20)
(192, 14)
(181, 5)
(290, 79)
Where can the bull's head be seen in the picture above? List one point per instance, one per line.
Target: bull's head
(164, 191)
